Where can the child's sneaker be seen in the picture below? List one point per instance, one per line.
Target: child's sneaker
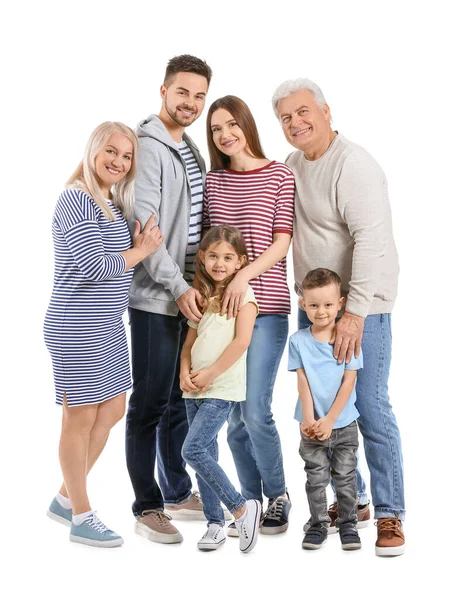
(276, 517)
(249, 525)
(58, 513)
(212, 539)
(350, 539)
(232, 530)
(315, 537)
(94, 533)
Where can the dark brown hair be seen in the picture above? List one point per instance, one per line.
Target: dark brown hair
(318, 278)
(186, 63)
(203, 282)
(242, 115)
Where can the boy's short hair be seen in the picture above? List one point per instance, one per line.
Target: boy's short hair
(318, 278)
(186, 63)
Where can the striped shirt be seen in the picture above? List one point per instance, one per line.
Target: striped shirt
(259, 203)
(195, 223)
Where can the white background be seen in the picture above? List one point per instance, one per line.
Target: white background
(392, 73)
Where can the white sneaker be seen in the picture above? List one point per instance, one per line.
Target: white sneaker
(213, 538)
(249, 526)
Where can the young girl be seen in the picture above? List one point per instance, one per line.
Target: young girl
(213, 379)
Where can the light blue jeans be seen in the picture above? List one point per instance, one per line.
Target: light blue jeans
(252, 434)
(377, 422)
(200, 450)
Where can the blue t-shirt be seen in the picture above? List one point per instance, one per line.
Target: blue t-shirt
(324, 375)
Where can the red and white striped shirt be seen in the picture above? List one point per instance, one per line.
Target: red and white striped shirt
(259, 203)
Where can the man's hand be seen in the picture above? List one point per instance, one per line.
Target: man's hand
(187, 304)
(234, 296)
(323, 428)
(347, 337)
(202, 379)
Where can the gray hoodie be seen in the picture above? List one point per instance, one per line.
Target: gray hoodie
(162, 187)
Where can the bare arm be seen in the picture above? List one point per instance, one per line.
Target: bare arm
(244, 328)
(185, 382)
(306, 400)
(324, 426)
(235, 292)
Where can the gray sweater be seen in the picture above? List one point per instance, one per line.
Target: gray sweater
(343, 222)
(162, 187)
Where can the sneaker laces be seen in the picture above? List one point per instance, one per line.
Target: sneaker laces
(158, 515)
(95, 523)
(275, 509)
(388, 524)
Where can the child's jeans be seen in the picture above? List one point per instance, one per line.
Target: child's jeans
(340, 462)
(206, 417)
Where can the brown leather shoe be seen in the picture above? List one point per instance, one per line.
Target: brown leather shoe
(363, 516)
(391, 541)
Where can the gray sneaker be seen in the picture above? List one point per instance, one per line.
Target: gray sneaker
(249, 526)
(155, 526)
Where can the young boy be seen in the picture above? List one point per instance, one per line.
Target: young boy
(326, 411)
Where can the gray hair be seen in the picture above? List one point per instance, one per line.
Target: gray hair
(291, 86)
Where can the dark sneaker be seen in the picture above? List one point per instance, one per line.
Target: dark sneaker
(391, 541)
(276, 517)
(315, 537)
(363, 517)
(349, 537)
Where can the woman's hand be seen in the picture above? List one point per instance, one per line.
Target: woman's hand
(234, 295)
(149, 239)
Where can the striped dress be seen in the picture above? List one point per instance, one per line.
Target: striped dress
(83, 329)
(259, 203)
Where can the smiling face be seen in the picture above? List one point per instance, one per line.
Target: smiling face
(184, 98)
(305, 125)
(221, 261)
(113, 162)
(227, 136)
(322, 304)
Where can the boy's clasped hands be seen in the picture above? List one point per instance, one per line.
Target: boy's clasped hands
(320, 428)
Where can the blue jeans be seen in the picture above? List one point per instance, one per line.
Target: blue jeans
(377, 422)
(156, 421)
(200, 450)
(252, 434)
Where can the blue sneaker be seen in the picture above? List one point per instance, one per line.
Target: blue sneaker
(60, 514)
(94, 533)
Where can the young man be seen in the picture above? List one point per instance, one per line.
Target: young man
(343, 222)
(169, 184)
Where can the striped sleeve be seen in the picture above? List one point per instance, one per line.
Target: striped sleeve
(284, 207)
(75, 216)
(206, 213)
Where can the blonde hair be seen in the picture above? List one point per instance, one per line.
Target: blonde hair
(85, 176)
(203, 282)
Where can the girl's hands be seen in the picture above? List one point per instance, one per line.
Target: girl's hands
(202, 379)
(148, 239)
(234, 295)
(185, 383)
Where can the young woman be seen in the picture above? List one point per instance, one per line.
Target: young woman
(248, 191)
(83, 327)
(213, 379)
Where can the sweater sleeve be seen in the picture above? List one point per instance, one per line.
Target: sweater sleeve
(361, 197)
(206, 212)
(159, 265)
(76, 216)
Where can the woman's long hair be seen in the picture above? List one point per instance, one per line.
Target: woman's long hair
(85, 176)
(242, 115)
(203, 282)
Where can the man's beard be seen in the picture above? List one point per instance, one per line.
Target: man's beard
(183, 122)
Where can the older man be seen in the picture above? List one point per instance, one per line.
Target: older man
(343, 222)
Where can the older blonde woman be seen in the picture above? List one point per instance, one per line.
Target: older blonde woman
(84, 331)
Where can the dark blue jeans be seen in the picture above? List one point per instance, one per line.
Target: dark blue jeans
(156, 421)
